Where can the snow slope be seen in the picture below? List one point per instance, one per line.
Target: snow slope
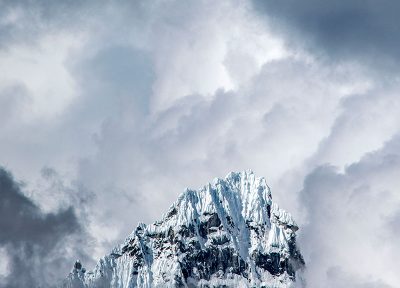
(227, 234)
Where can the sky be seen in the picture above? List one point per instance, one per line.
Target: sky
(110, 109)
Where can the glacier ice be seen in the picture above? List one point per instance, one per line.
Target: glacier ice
(229, 233)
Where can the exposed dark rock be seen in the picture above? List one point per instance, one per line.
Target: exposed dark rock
(78, 265)
(211, 260)
(212, 222)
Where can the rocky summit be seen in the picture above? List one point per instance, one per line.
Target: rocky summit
(229, 233)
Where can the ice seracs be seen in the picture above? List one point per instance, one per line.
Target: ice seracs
(229, 232)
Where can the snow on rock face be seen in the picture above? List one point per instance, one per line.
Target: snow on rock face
(227, 234)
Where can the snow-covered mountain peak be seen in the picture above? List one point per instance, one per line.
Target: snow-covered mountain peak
(228, 232)
(239, 195)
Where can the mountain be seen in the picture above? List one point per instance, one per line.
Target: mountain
(227, 234)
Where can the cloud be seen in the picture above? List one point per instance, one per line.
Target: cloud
(13, 99)
(341, 30)
(25, 22)
(338, 278)
(36, 244)
(140, 156)
(366, 121)
(129, 101)
(350, 236)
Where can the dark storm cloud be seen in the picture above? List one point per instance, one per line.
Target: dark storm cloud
(35, 242)
(342, 28)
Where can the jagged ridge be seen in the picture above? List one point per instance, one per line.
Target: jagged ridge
(227, 234)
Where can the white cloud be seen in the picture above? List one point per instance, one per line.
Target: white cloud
(4, 268)
(350, 222)
(41, 70)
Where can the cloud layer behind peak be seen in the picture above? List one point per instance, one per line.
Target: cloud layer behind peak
(132, 102)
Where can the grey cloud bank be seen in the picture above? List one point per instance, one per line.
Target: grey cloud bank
(134, 102)
(346, 30)
(36, 244)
